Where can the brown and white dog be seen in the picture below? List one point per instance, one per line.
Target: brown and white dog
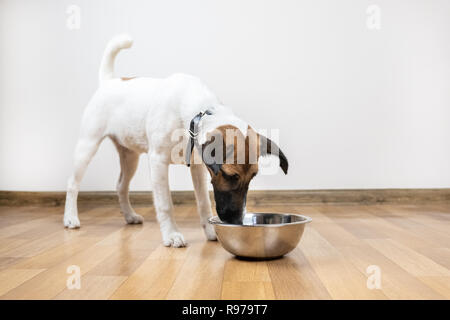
(143, 115)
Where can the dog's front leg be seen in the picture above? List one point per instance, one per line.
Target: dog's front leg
(159, 167)
(199, 179)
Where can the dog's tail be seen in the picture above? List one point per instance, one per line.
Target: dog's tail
(119, 42)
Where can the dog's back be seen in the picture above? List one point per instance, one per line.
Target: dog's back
(129, 110)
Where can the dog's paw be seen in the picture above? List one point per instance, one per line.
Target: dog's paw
(210, 233)
(134, 219)
(71, 222)
(174, 239)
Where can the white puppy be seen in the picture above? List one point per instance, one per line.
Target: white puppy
(140, 115)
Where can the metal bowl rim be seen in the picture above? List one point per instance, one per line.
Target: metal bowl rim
(306, 219)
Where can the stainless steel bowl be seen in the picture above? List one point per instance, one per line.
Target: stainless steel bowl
(262, 235)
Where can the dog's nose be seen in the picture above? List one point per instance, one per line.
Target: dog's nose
(237, 220)
(232, 217)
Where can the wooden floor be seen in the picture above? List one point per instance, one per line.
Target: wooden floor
(409, 244)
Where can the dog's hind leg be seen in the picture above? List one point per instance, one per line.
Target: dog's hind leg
(159, 167)
(128, 164)
(199, 179)
(84, 151)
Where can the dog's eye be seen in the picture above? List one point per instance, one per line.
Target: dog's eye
(232, 178)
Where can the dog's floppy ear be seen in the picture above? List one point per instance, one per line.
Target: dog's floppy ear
(268, 147)
(212, 159)
(214, 167)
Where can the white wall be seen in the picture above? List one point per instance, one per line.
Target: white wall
(357, 108)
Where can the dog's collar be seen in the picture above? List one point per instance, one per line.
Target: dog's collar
(193, 133)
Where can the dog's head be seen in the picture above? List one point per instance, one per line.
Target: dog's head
(232, 161)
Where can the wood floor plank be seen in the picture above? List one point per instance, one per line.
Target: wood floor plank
(247, 290)
(136, 245)
(49, 283)
(392, 230)
(11, 278)
(395, 283)
(93, 288)
(51, 257)
(246, 280)
(410, 260)
(293, 277)
(6, 262)
(8, 245)
(32, 248)
(354, 225)
(339, 276)
(335, 234)
(409, 243)
(198, 277)
(152, 280)
(10, 216)
(244, 270)
(438, 284)
(424, 231)
(22, 227)
(438, 255)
